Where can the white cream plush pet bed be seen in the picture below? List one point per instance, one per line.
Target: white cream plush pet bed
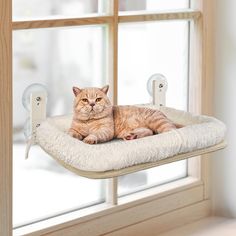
(199, 132)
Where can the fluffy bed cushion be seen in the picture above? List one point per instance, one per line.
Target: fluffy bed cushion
(199, 132)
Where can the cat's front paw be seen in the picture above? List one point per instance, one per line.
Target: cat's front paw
(130, 136)
(74, 134)
(91, 139)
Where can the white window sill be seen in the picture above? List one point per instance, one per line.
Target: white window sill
(210, 226)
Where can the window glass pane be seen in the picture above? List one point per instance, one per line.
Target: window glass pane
(146, 49)
(59, 59)
(152, 5)
(149, 48)
(149, 178)
(57, 8)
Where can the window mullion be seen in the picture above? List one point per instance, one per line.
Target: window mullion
(113, 52)
(52, 23)
(111, 194)
(142, 16)
(111, 186)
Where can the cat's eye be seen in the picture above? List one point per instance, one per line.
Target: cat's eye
(98, 99)
(84, 99)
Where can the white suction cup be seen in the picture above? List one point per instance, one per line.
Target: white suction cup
(162, 83)
(26, 130)
(29, 90)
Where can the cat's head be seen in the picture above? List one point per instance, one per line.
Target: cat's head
(91, 103)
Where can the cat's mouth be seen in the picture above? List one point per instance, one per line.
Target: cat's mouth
(95, 111)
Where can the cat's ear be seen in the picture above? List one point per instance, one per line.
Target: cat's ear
(105, 89)
(76, 91)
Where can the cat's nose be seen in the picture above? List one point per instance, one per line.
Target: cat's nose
(92, 104)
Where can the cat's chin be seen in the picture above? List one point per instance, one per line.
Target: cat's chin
(96, 116)
(91, 116)
(101, 114)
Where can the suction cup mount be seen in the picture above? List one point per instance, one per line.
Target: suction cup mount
(34, 100)
(157, 86)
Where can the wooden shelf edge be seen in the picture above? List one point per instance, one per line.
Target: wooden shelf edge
(144, 166)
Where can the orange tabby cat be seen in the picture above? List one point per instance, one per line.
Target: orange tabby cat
(95, 120)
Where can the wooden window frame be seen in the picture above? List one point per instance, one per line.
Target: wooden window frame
(189, 197)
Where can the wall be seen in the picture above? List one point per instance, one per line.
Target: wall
(224, 162)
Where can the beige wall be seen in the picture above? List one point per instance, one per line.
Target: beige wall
(224, 162)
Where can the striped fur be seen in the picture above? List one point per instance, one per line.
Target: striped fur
(95, 120)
